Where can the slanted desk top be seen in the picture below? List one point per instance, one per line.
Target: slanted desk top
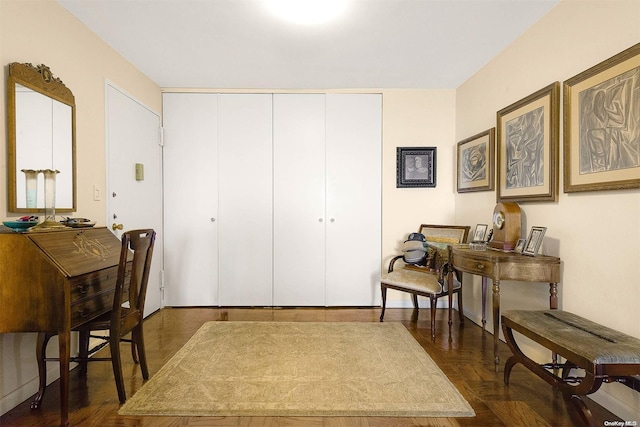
(51, 281)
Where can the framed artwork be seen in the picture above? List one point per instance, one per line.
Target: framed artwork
(534, 241)
(520, 246)
(416, 167)
(480, 232)
(527, 146)
(476, 162)
(602, 125)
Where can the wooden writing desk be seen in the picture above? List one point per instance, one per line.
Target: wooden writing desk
(498, 265)
(51, 281)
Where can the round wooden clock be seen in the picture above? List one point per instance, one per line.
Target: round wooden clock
(507, 221)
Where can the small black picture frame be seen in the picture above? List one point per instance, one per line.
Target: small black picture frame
(415, 167)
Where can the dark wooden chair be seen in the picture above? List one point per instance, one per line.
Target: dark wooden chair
(126, 315)
(429, 280)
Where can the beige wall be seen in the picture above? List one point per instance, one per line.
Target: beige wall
(415, 118)
(42, 32)
(596, 234)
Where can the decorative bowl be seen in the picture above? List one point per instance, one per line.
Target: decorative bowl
(20, 225)
(78, 222)
(478, 246)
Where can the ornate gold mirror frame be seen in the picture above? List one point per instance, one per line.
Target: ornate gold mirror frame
(41, 114)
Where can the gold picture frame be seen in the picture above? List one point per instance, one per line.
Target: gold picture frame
(527, 152)
(602, 125)
(476, 162)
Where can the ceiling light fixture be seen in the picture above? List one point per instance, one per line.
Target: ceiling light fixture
(307, 12)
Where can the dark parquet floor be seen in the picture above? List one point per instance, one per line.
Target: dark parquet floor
(466, 358)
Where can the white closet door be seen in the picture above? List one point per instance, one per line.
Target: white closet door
(354, 144)
(299, 196)
(245, 199)
(191, 199)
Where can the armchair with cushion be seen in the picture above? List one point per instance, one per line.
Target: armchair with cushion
(430, 277)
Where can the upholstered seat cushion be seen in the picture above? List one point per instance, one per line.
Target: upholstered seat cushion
(417, 280)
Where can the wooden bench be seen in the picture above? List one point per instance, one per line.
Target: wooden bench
(605, 355)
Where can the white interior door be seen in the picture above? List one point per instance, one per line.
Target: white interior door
(190, 123)
(133, 137)
(299, 199)
(245, 199)
(354, 201)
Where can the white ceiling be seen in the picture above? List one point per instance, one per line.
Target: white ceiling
(240, 44)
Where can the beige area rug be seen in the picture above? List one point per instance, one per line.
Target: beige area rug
(300, 369)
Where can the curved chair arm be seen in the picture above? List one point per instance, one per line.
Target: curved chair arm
(393, 261)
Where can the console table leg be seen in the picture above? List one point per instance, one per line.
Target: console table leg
(496, 320)
(484, 302)
(553, 296)
(553, 305)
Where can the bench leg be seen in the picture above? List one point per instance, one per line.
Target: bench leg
(508, 366)
(519, 356)
(588, 384)
(585, 412)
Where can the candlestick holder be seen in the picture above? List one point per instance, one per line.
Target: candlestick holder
(50, 199)
(31, 181)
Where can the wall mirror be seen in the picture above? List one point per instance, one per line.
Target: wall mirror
(41, 114)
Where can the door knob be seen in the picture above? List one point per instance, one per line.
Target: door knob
(115, 226)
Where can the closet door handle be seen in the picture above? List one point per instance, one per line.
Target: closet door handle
(320, 219)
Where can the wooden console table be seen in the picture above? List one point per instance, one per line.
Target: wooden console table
(498, 265)
(51, 281)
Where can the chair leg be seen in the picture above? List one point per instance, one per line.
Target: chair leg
(383, 289)
(138, 343)
(114, 345)
(83, 353)
(434, 301)
(414, 297)
(460, 308)
(134, 350)
(41, 353)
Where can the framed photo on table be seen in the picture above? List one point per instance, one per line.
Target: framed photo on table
(601, 127)
(532, 246)
(527, 147)
(480, 232)
(415, 167)
(476, 162)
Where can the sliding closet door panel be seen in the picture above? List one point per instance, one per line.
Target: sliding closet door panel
(190, 163)
(246, 208)
(299, 195)
(354, 144)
